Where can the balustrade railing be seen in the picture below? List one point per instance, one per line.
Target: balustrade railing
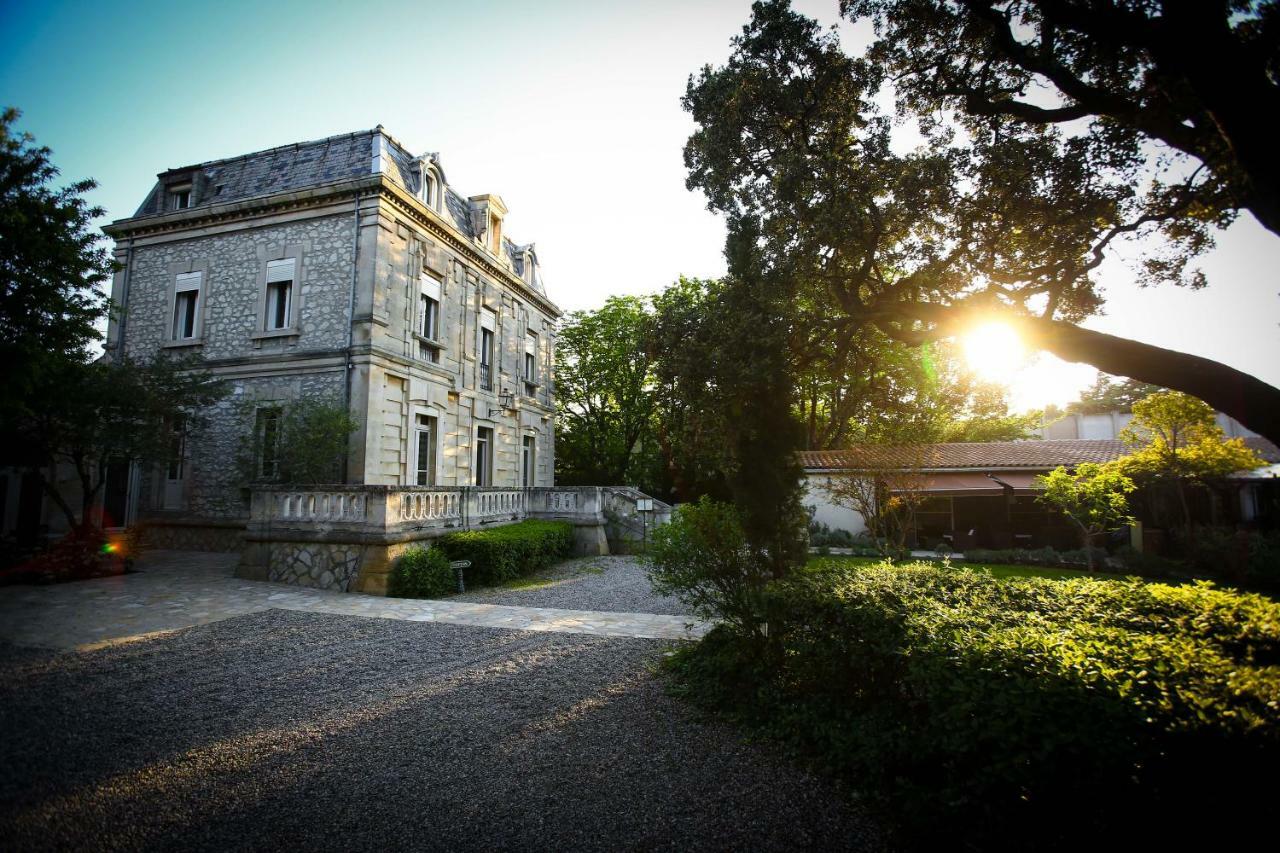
(330, 506)
(403, 508)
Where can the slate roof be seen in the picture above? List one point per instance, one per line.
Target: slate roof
(1032, 455)
(311, 164)
(276, 170)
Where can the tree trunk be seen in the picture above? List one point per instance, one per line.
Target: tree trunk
(1248, 399)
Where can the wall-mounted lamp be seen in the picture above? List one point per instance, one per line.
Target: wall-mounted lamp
(506, 400)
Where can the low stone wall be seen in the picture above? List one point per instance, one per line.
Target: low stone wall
(346, 537)
(193, 534)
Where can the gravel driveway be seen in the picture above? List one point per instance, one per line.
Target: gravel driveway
(614, 584)
(303, 730)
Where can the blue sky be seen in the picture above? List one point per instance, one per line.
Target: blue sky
(569, 110)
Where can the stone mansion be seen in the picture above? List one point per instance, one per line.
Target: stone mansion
(349, 270)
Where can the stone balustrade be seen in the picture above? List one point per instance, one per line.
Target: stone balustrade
(345, 537)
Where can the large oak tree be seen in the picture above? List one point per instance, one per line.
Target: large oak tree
(997, 215)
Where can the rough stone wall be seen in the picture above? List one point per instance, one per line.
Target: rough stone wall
(232, 283)
(231, 294)
(332, 566)
(193, 538)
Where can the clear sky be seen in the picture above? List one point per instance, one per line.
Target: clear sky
(569, 110)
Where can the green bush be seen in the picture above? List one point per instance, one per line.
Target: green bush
(1236, 556)
(421, 573)
(502, 553)
(1000, 713)
(702, 558)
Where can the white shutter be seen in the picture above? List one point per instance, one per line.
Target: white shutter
(431, 287)
(488, 320)
(281, 270)
(188, 281)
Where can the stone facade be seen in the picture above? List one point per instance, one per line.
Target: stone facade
(364, 233)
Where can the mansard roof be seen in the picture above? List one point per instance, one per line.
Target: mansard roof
(303, 165)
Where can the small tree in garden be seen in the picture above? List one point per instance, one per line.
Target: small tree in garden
(702, 557)
(1177, 441)
(303, 441)
(1094, 496)
(886, 500)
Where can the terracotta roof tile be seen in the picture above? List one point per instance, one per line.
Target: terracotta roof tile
(1034, 455)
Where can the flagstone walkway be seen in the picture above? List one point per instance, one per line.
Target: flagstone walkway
(178, 589)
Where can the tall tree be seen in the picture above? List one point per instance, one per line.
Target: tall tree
(92, 415)
(51, 265)
(993, 218)
(605, 397)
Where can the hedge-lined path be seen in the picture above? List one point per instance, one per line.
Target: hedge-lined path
(178, 589)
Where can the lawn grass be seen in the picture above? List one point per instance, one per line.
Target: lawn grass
(999, 570)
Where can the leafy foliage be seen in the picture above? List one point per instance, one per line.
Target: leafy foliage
(1176, 441)
(91, 415)
(992, 218)
(702, 558)
(1094, 496)
(605, 399)
(309, 445)
(51, 265)
(1109, 394)
(985, 712)
(1120, 75)
(421, 573)
(502, 553)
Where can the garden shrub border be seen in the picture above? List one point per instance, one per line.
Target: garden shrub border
(499, 554)
(989, 712)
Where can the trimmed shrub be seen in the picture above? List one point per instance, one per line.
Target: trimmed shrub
(421, 573)
(1024, 714)
(702, 558)
(502, 553)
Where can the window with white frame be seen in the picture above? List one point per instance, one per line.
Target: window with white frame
(484, 456)
(180, 197)
(429, 316)
(186, 306)
(430, 190)
(528, 459)
(425, 450)
(531, 360)
(280, 294)
(488, 327)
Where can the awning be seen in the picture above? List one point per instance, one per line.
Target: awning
(961, 484)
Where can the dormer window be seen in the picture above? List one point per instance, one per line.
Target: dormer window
(180, 197)
(495, 232)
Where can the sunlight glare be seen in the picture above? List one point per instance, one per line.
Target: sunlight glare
(994, 352)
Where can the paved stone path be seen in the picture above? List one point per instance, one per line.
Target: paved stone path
(178, 589)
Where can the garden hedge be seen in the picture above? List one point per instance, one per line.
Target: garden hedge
(502, 553)
(1016, 713)
(421, 573)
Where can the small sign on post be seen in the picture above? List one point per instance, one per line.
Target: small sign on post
(458, 566)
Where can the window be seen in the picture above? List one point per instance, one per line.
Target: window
(531, 362)
(484, 456)
(179, 198)
(495, 228)
(429, 316)
(268, 433)
(528, 458)
(430, 190)
(186, 306)
(177, 447)
(486, 359)
(280, 277)
(425, 445)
